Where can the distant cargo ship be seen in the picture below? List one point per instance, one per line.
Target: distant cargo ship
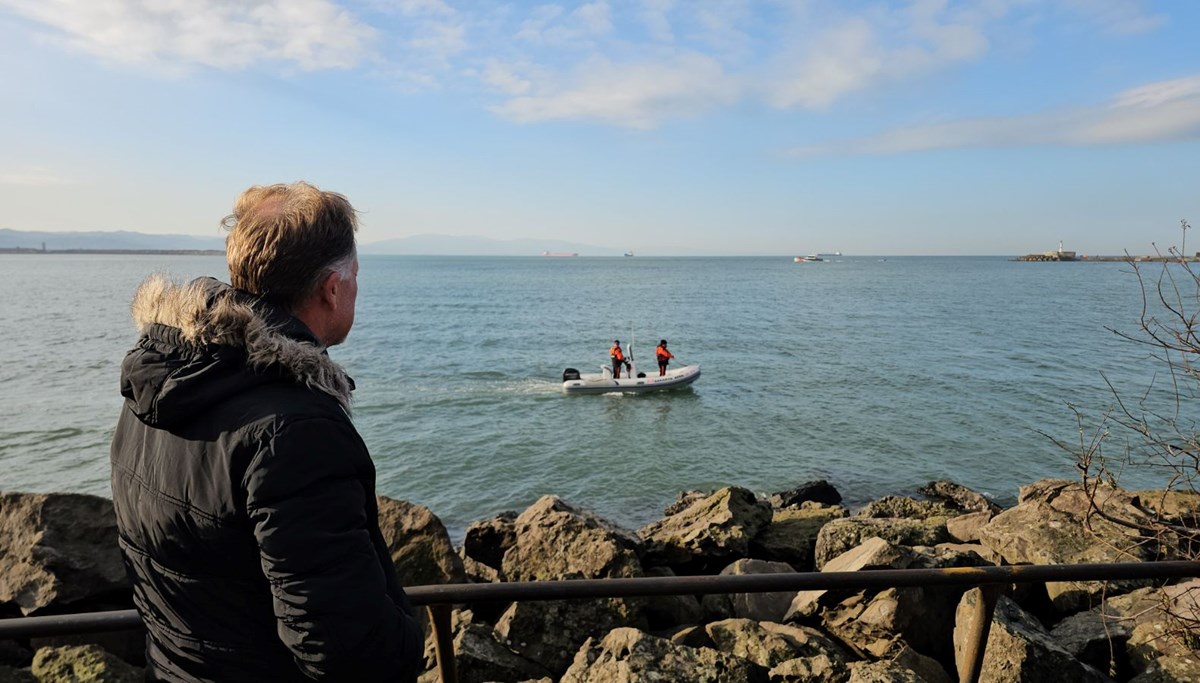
(559, 253)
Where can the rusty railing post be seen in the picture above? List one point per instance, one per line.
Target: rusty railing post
(976, 640)
(443, 641)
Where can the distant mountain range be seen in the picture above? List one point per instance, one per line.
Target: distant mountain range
(433, 245)
(119, 240)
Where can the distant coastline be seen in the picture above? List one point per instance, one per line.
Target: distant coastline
(185, 252)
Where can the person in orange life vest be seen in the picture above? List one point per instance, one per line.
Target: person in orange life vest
(664, 356)
(618, 358)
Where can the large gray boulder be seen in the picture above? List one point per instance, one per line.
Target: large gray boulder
(792, 534)
(1156, 621)
(708, 534)
(907, 508)
(1094, 638)
(1054, 522)
(1173, 669)
(874, 553)
(57, 549)
(555, 541)
(1019, 649)
(815, 669)
(627, 655)
(757, 606)
(817, 491)
(959, 497)
(769, 644)
(841, 535)
(419, 544)
(671, 611)
(487, 540)
(88, 663)
(883, 672)
(479, 657)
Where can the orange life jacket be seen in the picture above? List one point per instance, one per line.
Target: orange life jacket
(662, 353)
(615, 352)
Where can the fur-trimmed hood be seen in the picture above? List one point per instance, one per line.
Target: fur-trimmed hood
(204, 340)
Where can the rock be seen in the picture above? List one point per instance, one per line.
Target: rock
(816, 491)
(966, 528)
(1018, 647)
(907, 508)
(550, 632)
(419, 544)
(841, 535)
(769, 644)
(759, 606)
(479, 657)
(881, 625)
(882, 672)
(556, 541)
(871, 625)
(709, 533)
(986, 555)
(1154, 617)
(663, 611)
(959, 497)
(478, 572)
(874, 553)
(684, 500)
(1095, 640)
(628, 655)
(82, 664)
(57, 549)
(1052, 524)
(487, 540)
(1174, 507)
(692, 636)
(1173, 669)
(792, 534)
(815, 669)
(926, 668)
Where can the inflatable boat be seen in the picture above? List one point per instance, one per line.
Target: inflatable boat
(634, 382)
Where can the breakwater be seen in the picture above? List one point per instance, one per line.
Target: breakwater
(1079, 631)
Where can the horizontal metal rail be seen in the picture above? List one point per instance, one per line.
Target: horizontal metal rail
(439, 598)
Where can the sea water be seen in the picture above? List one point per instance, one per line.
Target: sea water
(878, 375)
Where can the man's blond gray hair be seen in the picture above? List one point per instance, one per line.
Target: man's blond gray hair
(285, 239)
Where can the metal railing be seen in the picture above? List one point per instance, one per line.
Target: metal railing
(439, 599)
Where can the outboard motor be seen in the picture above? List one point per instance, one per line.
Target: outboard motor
(570, 374)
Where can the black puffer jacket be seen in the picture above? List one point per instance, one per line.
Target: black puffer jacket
(245, 500)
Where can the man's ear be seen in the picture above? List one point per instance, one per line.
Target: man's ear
(328, 291)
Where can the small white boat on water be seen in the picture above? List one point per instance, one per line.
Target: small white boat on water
(807, 259)
(632, 381)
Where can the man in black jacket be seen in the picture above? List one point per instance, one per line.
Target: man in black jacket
(245, 497)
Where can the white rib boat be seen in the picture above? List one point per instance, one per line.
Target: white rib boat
(603, 382)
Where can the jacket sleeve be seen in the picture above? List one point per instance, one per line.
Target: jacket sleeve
(306, 499)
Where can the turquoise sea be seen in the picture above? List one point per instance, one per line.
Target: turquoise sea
(876, 374)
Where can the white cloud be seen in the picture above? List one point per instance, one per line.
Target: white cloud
(1118, 16)
(504, 78)
(33, 177)
(655, 16)
(313, 34)
(1157, 112)
(553, 25)
(635, 95)
(855, 53)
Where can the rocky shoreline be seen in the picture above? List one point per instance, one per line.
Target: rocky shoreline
(58, 554)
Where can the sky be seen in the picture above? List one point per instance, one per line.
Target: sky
(989, 127)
